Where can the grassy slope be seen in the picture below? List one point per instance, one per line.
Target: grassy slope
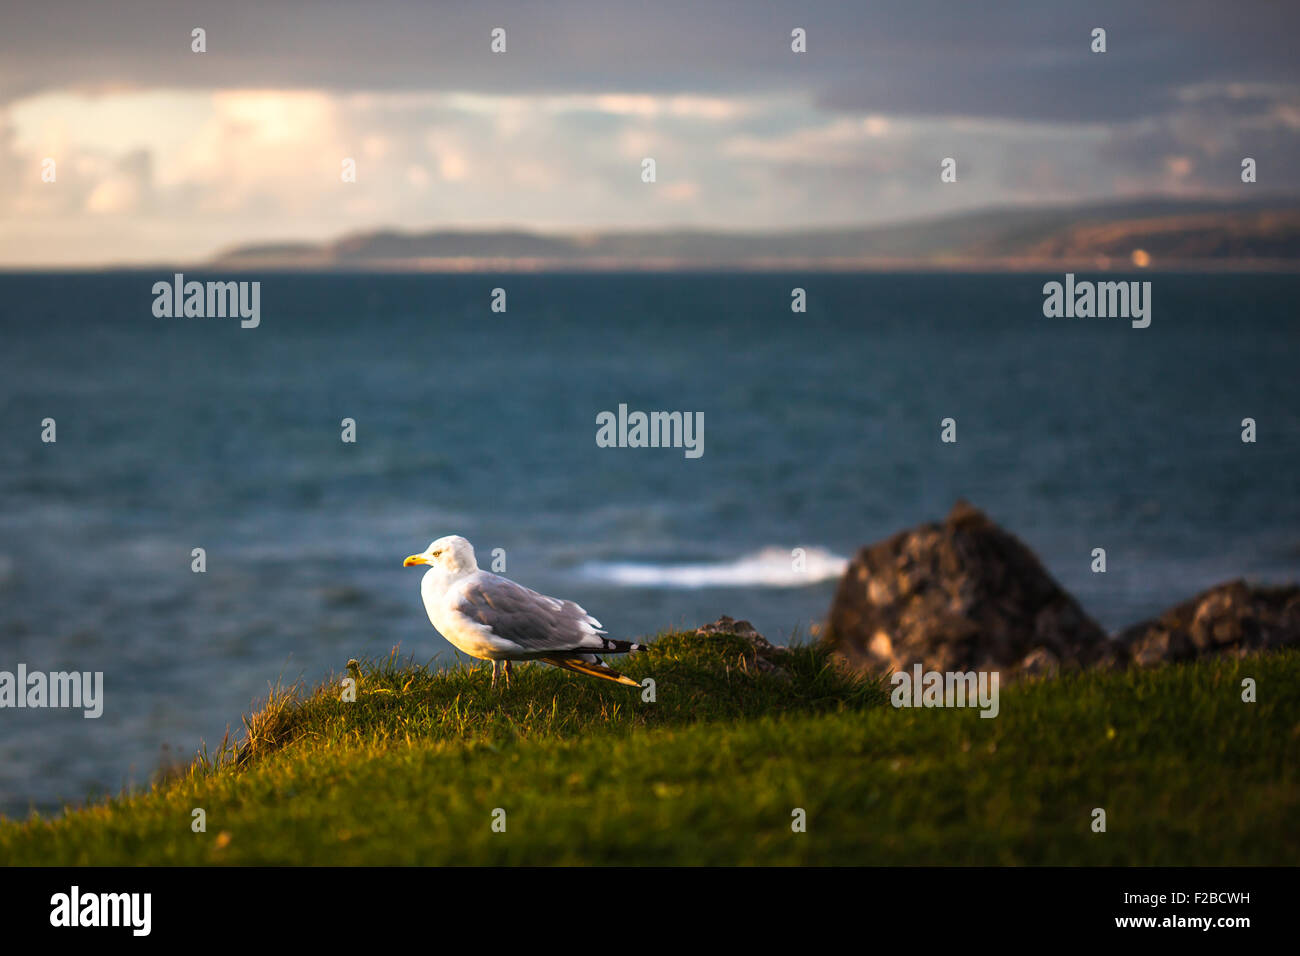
(588, 773)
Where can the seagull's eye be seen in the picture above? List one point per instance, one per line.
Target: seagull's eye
(438, 552)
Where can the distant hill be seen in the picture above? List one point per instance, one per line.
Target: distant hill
(1264, 233)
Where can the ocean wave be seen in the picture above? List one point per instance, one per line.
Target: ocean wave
(770, 567)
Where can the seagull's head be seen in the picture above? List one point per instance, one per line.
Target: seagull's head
(451, 555)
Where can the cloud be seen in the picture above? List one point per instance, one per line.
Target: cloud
(926, 57)
(1198, 146)
(162, 152)
(124, 188)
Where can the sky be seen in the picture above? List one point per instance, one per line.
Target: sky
(162, 154)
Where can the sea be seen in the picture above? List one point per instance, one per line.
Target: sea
(822, 433)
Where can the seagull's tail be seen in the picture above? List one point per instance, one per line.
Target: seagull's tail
(622, 647)
(592, 666)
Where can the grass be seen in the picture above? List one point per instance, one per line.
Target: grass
(586, 772)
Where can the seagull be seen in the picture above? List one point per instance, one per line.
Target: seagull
(495, 619)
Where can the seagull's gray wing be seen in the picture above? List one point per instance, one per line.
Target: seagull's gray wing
(534, 622)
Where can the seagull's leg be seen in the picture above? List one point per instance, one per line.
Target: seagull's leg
(494, 673)
(507, 669)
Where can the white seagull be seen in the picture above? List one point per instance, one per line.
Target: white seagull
(495, 619)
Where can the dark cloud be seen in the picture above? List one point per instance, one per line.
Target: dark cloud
(1028, 60)
(850, 132)
(1213, 131)
(1033, 61)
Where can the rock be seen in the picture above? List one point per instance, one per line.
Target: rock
(1040, 662)
(1232, 618)
(958, 596)
(766, 659)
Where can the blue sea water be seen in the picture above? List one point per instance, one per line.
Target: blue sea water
(821, 432)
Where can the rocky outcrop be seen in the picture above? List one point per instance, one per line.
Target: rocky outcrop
(960, 595)
(966, 595)
(1233, 618)
(766, 657)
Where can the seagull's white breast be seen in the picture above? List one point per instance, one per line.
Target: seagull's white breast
(473, 638)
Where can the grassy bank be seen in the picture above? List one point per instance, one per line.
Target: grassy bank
(587, 772)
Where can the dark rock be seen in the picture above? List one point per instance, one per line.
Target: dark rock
(1232, 618)
(958, 596)
(766, 658)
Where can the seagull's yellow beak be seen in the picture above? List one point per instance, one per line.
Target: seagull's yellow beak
(415, 559)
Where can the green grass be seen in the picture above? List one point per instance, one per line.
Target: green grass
(709, 773)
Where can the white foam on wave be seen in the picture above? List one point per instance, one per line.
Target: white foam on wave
(770, 567)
